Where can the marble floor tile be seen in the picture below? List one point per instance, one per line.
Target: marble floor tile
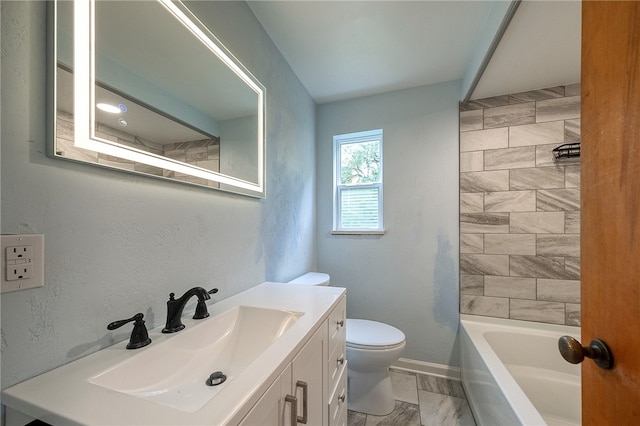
(437, 401)
(440, 385)
(404, 386)
(356, 419)
(443, 410)
(404, 414)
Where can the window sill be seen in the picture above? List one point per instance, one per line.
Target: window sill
(358, 232)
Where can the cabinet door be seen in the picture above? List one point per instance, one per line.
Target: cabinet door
(273, 408)
(309, 372)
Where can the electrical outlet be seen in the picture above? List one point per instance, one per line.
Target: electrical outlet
(22, 263)
(20, 271)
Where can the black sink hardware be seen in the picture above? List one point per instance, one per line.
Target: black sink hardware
(176, 306)
(201, 307)
(216, 378)
(139, 335)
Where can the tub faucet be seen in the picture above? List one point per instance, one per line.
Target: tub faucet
(176, 306)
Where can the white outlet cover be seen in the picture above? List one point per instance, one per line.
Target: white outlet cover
(36, 242)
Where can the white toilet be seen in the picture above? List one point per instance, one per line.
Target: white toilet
(372, 347)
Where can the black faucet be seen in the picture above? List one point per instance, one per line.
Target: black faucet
(176, 306)
(139, 335)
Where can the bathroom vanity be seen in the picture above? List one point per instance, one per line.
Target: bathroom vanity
(280, 347)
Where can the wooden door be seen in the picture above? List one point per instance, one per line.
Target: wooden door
(610, 194)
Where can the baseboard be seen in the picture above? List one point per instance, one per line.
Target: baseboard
(430, 368)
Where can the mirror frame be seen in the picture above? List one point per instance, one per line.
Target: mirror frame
(84, 99)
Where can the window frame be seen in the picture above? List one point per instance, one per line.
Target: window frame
(338, 188)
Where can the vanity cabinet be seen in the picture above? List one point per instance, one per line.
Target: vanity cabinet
(315, 382)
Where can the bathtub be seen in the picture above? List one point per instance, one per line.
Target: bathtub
(513, 373)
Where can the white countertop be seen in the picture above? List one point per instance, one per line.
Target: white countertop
(65, 395)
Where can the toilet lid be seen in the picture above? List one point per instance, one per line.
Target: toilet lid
(371, 333)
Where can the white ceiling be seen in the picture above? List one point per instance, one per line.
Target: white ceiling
(348, 49)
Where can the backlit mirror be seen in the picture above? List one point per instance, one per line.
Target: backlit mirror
(145, 87)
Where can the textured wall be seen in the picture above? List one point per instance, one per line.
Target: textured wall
(117, 244)
(409, 276)
(520, 210)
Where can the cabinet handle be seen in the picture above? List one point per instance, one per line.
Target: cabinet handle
(341, 398)
(294, 408)
(341, 323)
(305, 387)
(340, 360)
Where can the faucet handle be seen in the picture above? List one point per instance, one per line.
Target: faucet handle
(201, 307)
(139, 336)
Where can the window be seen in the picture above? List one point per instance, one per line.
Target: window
(357, 163)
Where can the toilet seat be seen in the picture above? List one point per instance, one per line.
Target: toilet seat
(373, 335)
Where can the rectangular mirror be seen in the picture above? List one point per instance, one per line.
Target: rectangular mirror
(145, 87)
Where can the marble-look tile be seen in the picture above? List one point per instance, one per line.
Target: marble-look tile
(356, 419)
(510, 244)
(510, 115)
(150, 170)
(558, 290)
(572, 316)
(520, 288)
(484, 264)
(572, 89)
(572, 222)
(404, 386)
(537, 178)
(550, 200)
(443, 410)
(537, 95)
(537, 267)
(484, 181)
(485, 103)
(471, 120)
(480, 223)
(472, 202)
(472, 284)
(557, 109)
(572, 267)
(510, 158)
(558, 245)
(537, 134)
(572, 177)
(478, 140)
(472, 243)
(472, 161)
(440, 385)
(544, 155)
(403, 414)
(537, 223)
(571, 130)
(485, 306)
(535, 310)
(510, 201)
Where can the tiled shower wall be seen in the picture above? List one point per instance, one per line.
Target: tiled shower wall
(520, 210)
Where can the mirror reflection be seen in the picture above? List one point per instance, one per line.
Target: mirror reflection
(165, 99)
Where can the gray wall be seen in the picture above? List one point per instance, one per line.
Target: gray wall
(117, 244)
(409, 276)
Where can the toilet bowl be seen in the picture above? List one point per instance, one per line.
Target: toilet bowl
(372, 347)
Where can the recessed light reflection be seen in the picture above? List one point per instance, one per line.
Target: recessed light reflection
(108, 108)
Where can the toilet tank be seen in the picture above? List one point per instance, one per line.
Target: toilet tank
(312, 278)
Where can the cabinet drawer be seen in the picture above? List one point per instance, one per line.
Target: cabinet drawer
(335, 364)
(338, 400)
(337, 324)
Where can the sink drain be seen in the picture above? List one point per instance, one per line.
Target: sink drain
(216, 378)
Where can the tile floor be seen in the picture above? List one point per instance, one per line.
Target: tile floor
(421, 400)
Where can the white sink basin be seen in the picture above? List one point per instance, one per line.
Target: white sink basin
(174, 372)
